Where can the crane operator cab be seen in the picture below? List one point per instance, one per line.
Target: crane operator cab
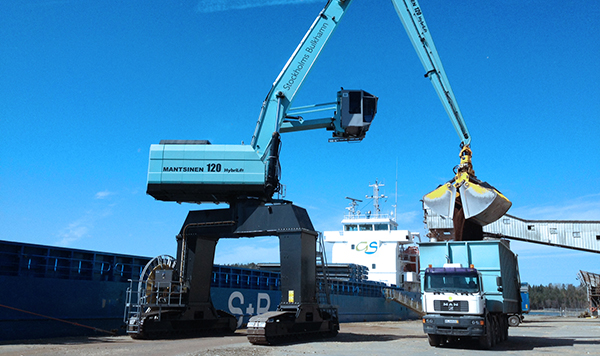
(356, 110)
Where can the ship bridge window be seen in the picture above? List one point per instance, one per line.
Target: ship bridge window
(381, 227)
(350, 227)
(366, 227)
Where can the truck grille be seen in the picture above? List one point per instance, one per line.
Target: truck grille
(451, 306)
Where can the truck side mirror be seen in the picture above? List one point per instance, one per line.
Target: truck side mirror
(499, 283)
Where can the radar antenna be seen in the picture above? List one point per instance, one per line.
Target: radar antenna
(352, 207)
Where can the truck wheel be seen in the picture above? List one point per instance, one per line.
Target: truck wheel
(500, 326)
(485, 341)
(434, 340)
(494, 329)
(514, 320)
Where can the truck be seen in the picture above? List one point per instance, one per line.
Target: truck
(469, 290)
(525, 305)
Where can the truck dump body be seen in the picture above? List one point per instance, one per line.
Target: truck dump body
(492, 258)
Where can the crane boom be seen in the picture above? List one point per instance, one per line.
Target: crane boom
(470, 202)
(414, 23)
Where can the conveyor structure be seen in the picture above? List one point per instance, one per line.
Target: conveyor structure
(591, 281)
(582, 235)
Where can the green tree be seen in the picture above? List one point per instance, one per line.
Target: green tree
(557, 296)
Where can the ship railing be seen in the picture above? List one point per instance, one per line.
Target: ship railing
(29, 260)
(396, 296)
(164, 294)
(367, 216)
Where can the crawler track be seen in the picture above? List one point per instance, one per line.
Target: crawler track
(283, 327)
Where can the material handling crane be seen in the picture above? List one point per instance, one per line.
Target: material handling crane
(173, 297)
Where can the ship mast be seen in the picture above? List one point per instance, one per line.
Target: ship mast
(376, 196)
(396, 194)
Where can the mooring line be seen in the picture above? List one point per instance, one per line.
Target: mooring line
(61, 320)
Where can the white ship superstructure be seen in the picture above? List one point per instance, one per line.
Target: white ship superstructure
(374, 240)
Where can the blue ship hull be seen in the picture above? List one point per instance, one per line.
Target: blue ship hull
(58, 292)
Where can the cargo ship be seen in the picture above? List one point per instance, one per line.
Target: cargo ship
(59, 292)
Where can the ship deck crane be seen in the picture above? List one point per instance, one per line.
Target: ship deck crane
(175, 298)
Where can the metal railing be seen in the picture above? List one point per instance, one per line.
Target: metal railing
(406, 301)
(150, 297)
(323, 294)
(367, 215)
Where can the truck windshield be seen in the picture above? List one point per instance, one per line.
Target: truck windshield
(451, 282)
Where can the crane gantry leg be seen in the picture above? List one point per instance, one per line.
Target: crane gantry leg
(192, 312)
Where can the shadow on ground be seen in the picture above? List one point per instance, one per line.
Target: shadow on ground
(352, 337)
(524, 343)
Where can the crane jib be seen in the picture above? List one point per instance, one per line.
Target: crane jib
(294, 73)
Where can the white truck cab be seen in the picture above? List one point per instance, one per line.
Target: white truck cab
(453, 289)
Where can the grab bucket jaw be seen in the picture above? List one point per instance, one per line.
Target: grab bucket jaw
(441, 200)
(482, 204)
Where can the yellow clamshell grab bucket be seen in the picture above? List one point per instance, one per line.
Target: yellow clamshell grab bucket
(481, 203)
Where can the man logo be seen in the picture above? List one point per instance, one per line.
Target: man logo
(368, 248)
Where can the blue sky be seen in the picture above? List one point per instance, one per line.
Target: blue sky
(87, 86)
